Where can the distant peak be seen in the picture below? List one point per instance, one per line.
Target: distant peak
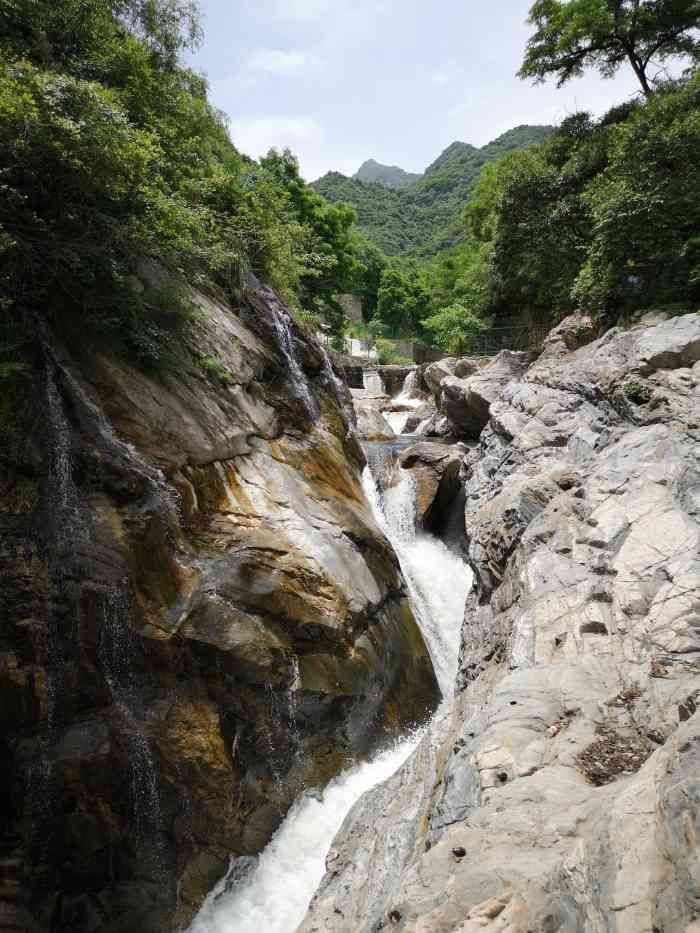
(390, 176)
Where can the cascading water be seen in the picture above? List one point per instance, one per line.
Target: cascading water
(117, 647)
(275, 892)
(407, 400)
(68, 530)
(63, 531)
(438, 580)
(283, 328)
(411, 384)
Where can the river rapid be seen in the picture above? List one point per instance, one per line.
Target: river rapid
(272, 893)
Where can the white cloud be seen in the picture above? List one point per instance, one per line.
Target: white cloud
(303, 134)
(279, 61)
(256, 136)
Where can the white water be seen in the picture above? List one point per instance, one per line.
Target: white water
(283, 328)
(438, 580)
(406, 397)
(276, 895)
(397, 420)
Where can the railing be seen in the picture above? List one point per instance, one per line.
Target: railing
(522, 337)
(529, 338)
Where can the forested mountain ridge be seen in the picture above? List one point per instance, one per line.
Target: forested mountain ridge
(424, 217)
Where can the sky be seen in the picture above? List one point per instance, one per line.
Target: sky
(341, 81)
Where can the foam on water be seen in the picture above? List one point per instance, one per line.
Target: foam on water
(275, 896)
(274, 899)
(438, 580)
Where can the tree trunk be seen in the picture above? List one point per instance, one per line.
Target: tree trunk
(640, 71)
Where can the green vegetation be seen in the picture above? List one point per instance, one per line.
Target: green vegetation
(604, 216)
(387, 353)
(214, 368)
(115, 167)
(424, 218)
(600, 214)
(637, 392)
(572, 35)
(454, 328)
(114, 162)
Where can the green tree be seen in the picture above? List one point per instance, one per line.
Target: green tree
(645, 209)
(571, 35)
(454, 328)
(402, 300)
(327, 249)
(112, 156)
(371, 263)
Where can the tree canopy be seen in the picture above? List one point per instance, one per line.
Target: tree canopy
(112, 156)
(572, 35)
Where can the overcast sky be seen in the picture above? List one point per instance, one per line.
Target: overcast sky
(340, 81)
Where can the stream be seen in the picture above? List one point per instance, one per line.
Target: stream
(274, 893)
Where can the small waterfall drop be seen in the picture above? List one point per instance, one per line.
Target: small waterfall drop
(407, 400)
(285, 339)
(116, 650)
(411, 384)
(275, 893)
(438, 580)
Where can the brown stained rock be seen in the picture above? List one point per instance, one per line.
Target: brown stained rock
(435, 469)
(613, 754)
(210, 602)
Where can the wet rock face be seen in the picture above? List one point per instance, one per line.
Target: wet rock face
(200, 618)
(560, 791)
(439, 503)
(369, 408)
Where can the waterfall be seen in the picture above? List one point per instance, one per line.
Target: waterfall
(285, 339)
(274, 893)
(116, 651)
(406, 398)
(397, 420)
(438, 580)
(411, 384)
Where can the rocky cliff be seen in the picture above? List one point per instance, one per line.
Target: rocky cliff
(199, 616)
(560, 789)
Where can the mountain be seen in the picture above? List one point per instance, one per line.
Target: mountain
(422, 217)
(390, 176)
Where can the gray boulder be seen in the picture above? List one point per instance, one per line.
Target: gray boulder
(372, 425)
(466, 402)
(418, 416)
(436, 373)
